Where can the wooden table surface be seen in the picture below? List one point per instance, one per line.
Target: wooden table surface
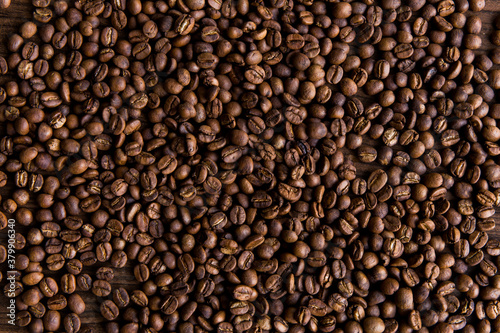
(21, 11)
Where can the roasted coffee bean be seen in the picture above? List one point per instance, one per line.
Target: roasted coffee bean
(72, 322)
(101, 288)
(76, 304)
(121, 297)
(109, 310)
(169, 305)
(377, 181)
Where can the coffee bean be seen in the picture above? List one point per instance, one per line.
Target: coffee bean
(52, 320)
(109, 310)
(72, 322)
(169, 305)
(121, 297)
(377, 180)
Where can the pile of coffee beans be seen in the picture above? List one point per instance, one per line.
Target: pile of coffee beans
(252, 166)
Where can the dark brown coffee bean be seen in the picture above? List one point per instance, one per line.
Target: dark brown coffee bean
(376, 181)
(403, 51)
(76, 304)
(109, 310)
(295, 115)
(72, 323)
(121, 297)
(169, 305)
(57, 302)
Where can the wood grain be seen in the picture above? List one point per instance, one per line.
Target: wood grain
(21, 11)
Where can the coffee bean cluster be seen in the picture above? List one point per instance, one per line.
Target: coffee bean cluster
(252, 166)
